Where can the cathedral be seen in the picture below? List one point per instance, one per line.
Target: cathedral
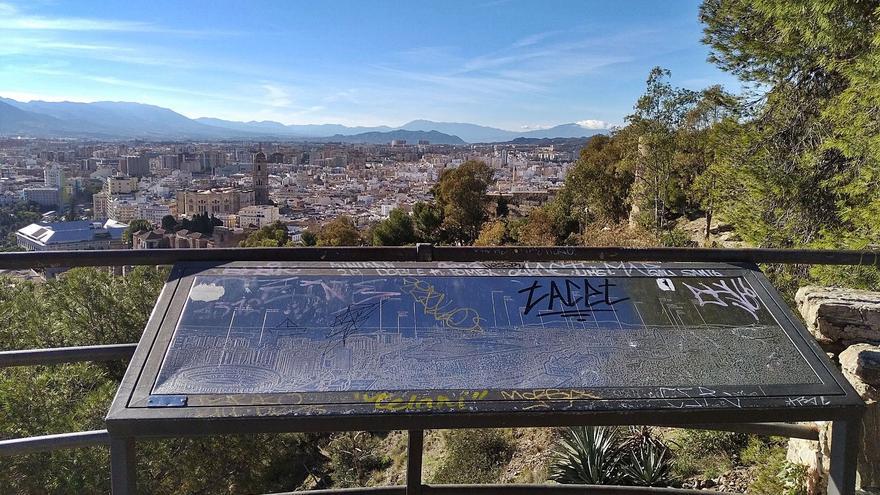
(261, 179)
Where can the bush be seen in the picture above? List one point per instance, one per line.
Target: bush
(474, 456)
(603, 456)
(706, 452)
(353, 458)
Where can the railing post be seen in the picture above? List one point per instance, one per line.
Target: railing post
(425, 251)
(123, 466)
(415, 443)
(844, 456)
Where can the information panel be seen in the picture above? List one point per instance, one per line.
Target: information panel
(379, 338)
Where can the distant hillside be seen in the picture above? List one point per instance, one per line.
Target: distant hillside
(126, 120)
(411, 137)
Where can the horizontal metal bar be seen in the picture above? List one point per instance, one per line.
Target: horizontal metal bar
(48, 443)
(505, 489)
(34, 357)
(789, 430)
(119, 257)
(436, 253)
(579, 253)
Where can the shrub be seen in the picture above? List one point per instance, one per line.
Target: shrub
(602, 456)
(588, 455)
(474, 456)
(353, 458)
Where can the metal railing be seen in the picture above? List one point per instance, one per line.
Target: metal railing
(420, 252)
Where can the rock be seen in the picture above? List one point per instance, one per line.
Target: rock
(840, 317)
(861, 366)
(868, 471)
(815, 455)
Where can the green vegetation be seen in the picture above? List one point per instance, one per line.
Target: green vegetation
(200, 222)
(272, 235)
(599, 455)
(341, 231)
(397, 230)
(474, 456)
(13, 218)
(134, 227)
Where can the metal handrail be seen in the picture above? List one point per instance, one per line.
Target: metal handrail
(511, 489)
(428, 252)
(56, 355)
(49, 443)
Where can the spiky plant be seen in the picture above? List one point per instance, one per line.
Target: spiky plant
(648, 459)
(587, 455)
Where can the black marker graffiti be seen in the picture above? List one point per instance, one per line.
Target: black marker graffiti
(564, 301)
(347, 321)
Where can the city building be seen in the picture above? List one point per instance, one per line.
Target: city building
(54, 176)
(184, 239)
(135, 166)
(78, 235)
(121, 184)
(122, 210)
(43, 196)
(261, 179)
(217, 201)
(257, 216)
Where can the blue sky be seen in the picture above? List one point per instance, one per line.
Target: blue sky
(506, 63)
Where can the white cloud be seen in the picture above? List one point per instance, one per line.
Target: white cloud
(276, 96)
(593, 124)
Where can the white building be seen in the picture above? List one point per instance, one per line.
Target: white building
(53, 176)
(121, 184)
(258, 216)
(43, 196)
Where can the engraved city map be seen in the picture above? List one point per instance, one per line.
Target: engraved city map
(422, 330)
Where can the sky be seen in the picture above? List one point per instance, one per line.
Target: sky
(513, 64)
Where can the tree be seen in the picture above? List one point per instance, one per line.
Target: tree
(493, 233)
(540, 229)
(599, 182)
(341, 231)
(427, 220)
(201, 222)
(396, 230)
(272, 235)
(308, 238)
(461, 193)
(651, 150)
(169, 223)
(801, 170)
(134, 227)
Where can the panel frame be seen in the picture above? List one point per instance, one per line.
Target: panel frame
(129, 414)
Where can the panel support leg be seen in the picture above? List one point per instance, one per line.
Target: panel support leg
(415, 444)
(844, 456)
(123, 466)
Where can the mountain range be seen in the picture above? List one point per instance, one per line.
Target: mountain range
(126, 120)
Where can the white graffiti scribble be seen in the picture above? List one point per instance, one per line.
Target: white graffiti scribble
(737, 293)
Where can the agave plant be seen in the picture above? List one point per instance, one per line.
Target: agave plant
(588, 455)
(648, 461)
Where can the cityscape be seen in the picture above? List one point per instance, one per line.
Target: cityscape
(87, 193)
(374, 246)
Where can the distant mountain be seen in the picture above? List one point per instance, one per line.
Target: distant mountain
(411, 137)
(117, 120)
(473, 133)
(15, 121)
(125, 120)
(293, 130)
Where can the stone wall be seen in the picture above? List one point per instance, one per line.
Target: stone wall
(846, 323)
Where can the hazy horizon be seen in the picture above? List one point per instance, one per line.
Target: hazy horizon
(501, 63)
